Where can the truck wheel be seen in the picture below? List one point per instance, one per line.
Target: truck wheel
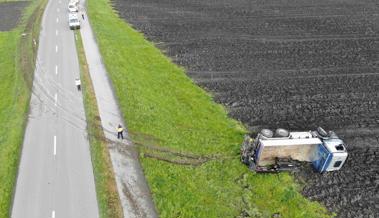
(332, 135)
(252, 166)
(322, 132)
(245, 160)
(267, 133)
(281, 133)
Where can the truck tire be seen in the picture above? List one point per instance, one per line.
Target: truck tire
(322, 132)
(333, 135)
(281, 133)
(267, 133)
(252, 166)
(245, 160)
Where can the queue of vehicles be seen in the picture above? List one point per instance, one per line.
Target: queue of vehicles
(73, 16)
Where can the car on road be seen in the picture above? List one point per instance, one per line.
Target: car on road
(74, 2)
(73, 7)
(73, 21)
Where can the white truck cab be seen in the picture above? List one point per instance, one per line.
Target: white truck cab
(330, 156)
(73, 21)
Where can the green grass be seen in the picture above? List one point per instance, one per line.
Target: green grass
(107, 196)
(16, 62)
(13, 106)
(189, 147)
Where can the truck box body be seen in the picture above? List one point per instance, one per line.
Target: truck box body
(296, 149)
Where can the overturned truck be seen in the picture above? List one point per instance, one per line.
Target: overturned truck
(285, 151)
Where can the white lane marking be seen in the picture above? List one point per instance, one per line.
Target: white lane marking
(55, 99)
(57, 9)
(56, 48)
(55, 145)
(53, 214)
(57, 20)
(56, 69)
(56, 32)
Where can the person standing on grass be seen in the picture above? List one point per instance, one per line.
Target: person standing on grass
(119, 132)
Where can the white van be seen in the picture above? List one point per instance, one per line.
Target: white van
(73, 7)
(73, 21)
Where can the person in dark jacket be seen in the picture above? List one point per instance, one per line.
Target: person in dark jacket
(120, 131)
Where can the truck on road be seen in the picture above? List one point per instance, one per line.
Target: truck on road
(285, 151)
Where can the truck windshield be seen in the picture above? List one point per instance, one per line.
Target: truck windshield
(337, 163)
(73, 20)
(340, 147)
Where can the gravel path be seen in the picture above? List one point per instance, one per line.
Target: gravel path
(295, 64)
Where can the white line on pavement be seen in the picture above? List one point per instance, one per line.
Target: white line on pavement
(55, 99)
(56, 69)
(56, 48)
(57, 20)
(56, 32)
(53, 214)
(57, 9)
(55, 145)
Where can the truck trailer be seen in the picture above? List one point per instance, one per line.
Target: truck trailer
(285, 151)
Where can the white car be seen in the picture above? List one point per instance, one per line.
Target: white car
(73, 21)
(76, 2)
(72, 7)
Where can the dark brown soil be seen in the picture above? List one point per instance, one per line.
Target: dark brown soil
(296, 64)
(10, 14)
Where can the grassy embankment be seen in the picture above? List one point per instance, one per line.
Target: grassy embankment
(107, 196)
(17, 56)
(189, 147)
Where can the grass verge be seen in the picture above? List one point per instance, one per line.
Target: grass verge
(189, 147)
(107, 196)
(17, 58)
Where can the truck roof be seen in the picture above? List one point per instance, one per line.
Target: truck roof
(293, 141)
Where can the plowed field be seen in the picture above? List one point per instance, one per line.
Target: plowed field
(10, 13)
(296, 64)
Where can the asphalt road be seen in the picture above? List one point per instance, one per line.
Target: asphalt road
(55, 174)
